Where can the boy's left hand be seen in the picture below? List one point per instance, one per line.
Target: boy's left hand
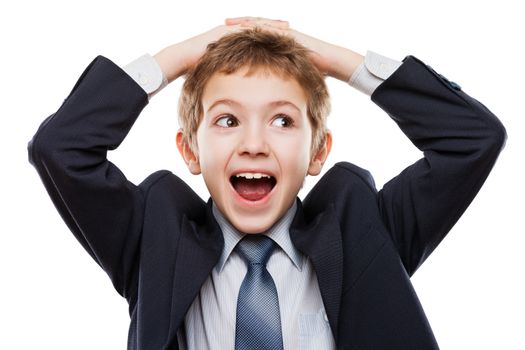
(332, 60)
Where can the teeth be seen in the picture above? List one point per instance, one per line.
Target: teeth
(252, 175)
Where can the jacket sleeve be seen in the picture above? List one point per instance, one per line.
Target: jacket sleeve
(460, 140)
(100, 206)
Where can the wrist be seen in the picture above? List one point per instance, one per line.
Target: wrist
(344, 63)
(170, 62)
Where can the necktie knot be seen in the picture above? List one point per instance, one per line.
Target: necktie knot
(256, 249)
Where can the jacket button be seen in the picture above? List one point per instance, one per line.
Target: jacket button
(454, 85)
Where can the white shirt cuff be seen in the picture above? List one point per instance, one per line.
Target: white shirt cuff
(372, 72)
(147, 73)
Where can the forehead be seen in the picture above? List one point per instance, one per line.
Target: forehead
(254, 88)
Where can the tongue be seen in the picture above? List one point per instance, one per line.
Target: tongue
(254, 189)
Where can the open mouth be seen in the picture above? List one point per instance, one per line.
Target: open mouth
(253, 186)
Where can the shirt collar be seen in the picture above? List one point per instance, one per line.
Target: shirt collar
(279, 232)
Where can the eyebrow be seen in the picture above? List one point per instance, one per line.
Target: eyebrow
(271, 104)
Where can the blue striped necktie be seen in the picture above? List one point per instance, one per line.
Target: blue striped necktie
(258, 324)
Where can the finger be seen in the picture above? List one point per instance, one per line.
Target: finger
(273, 22)
(238, 20)
(281, 24)
(232, 21)
(264, 25)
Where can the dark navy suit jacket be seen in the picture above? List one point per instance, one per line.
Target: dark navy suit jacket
(159, 241)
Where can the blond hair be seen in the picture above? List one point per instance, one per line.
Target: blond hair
(255, 49)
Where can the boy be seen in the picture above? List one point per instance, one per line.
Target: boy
(335, 269)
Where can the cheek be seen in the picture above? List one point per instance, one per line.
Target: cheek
(206, 141)
(214, 150)
(294, 153)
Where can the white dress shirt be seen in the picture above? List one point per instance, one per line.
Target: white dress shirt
(210, 320)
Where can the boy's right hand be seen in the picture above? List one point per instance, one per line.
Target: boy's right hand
(177, 59)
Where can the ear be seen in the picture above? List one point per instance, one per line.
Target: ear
(316, 164)
(191, 160)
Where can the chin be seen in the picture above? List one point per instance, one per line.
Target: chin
(253, 227)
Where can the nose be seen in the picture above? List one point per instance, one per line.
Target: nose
(253, 142)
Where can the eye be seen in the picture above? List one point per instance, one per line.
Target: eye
(282, 121)
(227, 121)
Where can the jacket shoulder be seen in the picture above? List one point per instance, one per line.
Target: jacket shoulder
(356, 173)
(164, 190)
(347, 175)
(341, 183)
(152, 179)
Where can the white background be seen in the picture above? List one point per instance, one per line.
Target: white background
(53, 296)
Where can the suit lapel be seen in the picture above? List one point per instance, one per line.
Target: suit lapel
(320, 240)
(201, 244)
(199, 249)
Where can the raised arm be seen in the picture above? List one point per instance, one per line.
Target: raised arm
(460, 140)
(100, 206)
(459, 137)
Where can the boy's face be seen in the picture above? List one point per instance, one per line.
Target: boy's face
(254, 145)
